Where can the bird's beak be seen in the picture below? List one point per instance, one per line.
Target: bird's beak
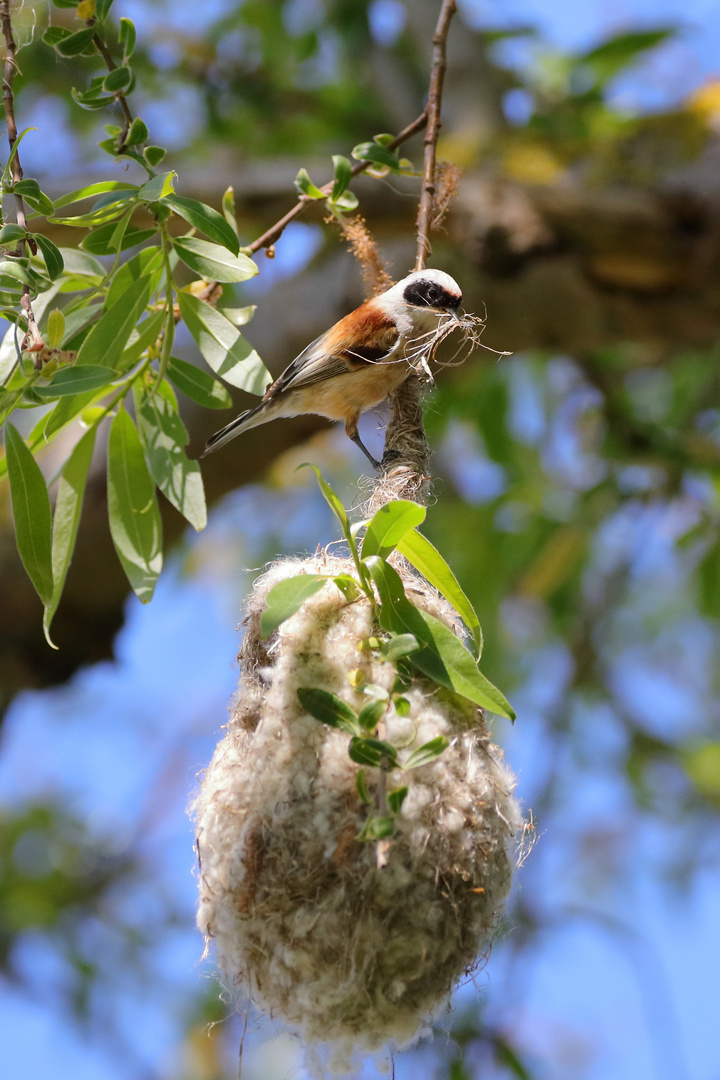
(455, 314)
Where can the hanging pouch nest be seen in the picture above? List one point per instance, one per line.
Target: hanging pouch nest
(352, 942)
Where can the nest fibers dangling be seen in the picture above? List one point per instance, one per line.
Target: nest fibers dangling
(307, 921)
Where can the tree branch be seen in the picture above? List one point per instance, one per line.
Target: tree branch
(275, 232)
(408, 474)
(434, 104)
(111, 65)
(36, 342)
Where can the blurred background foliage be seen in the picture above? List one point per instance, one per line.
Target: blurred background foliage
(576, 497)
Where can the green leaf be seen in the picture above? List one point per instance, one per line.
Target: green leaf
(127, 37)
(418, 550)
(94, 189)
(506, 1057)
(76, 43)
(613, 55)
(19, 270)
(75, 380)
(396, 798)
(33, 196)
(702, 764)
(107, 339)
(228, 209)
(374, 752)
(98, 242)
(164, 436)
(135, 523)
(107, 208)
(348, 201)
(377, 154)
(207, 220)
(137, 134)
(142, 337)
(79, 264)
(287, 597)
(399, 645)
(442, 656)
(31, 513)
(333, 502)
(343, 176)
(10, 234)
(371, 715)
(328, 709)
(239, 316)
(154, 155)
(361, 786)
(378, 828)
(198, 385)
(348, 586)
(389, 524)
(229, 355)
(118, 80)
(426, 753)
(148, 263)
(54, 262)
(213, 261)
(55, 331)
(159, 187)
(68, 508)
(305, 186)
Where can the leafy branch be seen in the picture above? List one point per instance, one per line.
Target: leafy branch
(33, 340)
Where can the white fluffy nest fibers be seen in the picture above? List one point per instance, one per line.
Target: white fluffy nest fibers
(351, 943)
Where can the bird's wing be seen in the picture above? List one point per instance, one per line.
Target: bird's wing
(338, 351)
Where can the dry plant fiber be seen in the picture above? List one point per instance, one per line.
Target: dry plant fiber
(348, 948)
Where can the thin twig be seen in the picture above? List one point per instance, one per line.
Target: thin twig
(111, 65)
(406, 474)
(275, 232)
(437, 77)
(36, 343)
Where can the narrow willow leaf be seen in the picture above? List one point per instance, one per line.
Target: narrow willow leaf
(107, 339)
(94, 189)
(206, 219)
(287, 597)
(371, 715)
(328, 709)
(31, 513)
(135, 523)
(389, 524)
(75, 380)
(378, 828)
(100, 240)
(147, 263)
(348, 586)
(399, 645)
(426, 753)
(343, 176)
(374, 752)
(68, 508)
(54, 262)
(396, 798)
(164, 436)
(55, 331)
(418, 550)
(198, 385)
(212, 261)
(305, 186)
(143, 336)
(159, 187)
(334, 503)
(361, 786)
(442, 656)
(228, 353)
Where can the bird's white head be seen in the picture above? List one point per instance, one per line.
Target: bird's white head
(424, 295)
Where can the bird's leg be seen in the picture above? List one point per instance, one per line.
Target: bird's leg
(351, 431)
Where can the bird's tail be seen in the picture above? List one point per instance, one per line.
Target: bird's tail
(249, 419)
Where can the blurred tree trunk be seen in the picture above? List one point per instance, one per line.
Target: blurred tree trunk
(557, 268)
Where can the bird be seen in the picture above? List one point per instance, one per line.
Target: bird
(360, 360)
